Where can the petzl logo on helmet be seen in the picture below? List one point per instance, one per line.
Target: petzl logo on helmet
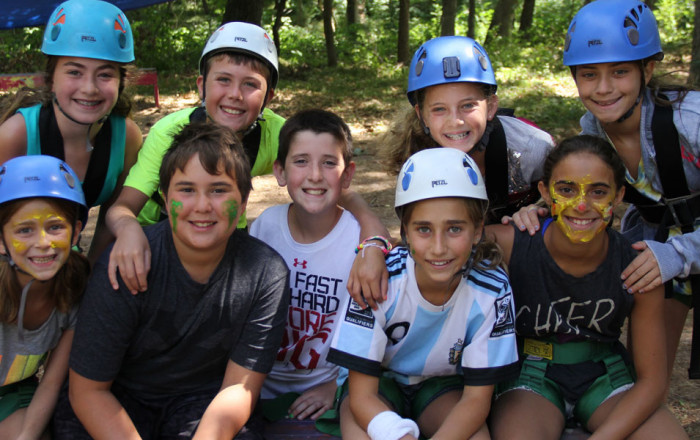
(243, 39)
(408, 173)
(594, 43)
(87, 38)
(32, 179)
(435, 183)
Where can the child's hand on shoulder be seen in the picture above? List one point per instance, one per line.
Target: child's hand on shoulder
(314, 402)
(131, 256)
(368, 279)
(643, 273)
(527, 218)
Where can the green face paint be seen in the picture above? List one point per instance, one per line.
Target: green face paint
(175, 208)
(231, 207)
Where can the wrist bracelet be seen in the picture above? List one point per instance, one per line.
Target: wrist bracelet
(362, 246)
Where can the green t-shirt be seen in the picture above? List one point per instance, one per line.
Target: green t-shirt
(144, 175)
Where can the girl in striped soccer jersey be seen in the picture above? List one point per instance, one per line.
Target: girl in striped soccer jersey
(416, 365)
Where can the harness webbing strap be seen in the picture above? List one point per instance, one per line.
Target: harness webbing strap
(679, 208)
(496, 157)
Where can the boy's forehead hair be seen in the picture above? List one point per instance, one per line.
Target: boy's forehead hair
(317, 121)
(243, 59)
(217, 148)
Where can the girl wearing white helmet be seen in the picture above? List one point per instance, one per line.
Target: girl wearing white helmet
(81, 114)
(570, 310)
(42, 210)
(612, 47)
(426, 361)
(452, 92)
(238, 75)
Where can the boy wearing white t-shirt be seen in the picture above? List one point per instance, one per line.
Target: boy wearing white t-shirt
(317, 239)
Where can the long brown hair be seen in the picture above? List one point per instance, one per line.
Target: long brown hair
(27, 97)
(67, 285)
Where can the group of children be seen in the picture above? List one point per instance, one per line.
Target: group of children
(194, 327)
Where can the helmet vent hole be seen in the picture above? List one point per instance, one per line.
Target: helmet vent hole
(122, 40)
(635, 14)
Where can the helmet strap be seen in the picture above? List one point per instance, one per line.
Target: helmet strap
(88, 145)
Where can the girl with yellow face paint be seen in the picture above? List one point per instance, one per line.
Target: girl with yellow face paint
(42, 210)
(570, 309)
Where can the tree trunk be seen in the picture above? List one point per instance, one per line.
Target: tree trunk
(299, 16)
(403, 54)
(502, 20)
(205, 7)
(351, 18)
(694, 78)
(329, 33)
(526, 16)
(243, 10)
(277, 25)
(449, 13)
(471, 20)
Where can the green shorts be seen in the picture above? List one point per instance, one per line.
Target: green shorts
(407, 400)
(577, 389)
(16, 395)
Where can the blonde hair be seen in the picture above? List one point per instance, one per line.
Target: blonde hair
(404, 137)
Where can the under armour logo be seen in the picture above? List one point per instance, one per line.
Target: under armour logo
(302, 263)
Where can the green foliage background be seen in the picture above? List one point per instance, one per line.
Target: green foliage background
(170, 37)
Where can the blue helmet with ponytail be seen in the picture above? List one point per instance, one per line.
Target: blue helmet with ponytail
(608, 31)
(449, 59)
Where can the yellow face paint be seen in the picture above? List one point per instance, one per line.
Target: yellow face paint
(40, 239)
(579, 199)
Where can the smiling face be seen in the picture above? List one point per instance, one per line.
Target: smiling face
(440, 235)
(38, 238)
(609, 90)
(582, 195)
(315, 172)
(85, 88)
(203, 209)
(457, 113)
(235, 93)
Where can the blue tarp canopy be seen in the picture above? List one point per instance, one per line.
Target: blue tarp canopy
(23, 13)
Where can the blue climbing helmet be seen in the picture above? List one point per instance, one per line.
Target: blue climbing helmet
(446, 60)
(89, 29)
(26, 177)
(438, 172)
(606, 31)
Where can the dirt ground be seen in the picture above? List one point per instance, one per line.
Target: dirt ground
(378, 190)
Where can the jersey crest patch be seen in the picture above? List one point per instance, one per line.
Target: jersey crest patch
(456, 352)
(505, 324)
(359, 316)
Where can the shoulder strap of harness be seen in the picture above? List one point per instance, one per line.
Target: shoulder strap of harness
(496, 156)
(52, 145)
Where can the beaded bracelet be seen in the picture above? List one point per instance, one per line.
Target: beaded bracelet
(383, 240)
(362, 246)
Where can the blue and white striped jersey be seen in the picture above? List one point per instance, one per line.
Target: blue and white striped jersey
(411, 340)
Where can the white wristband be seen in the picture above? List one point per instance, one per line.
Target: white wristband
(388, 425)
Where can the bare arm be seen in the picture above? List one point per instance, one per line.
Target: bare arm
(503, 235)
(131, 254)
(13, 138)
(103, 236)
(527, 218)
(98, 410)
(368, 275)
(232, 406)
(645, 397)
(43, 402)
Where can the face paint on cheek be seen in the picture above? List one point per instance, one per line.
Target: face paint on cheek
(19, 246)
(175, 208)
(231, 207)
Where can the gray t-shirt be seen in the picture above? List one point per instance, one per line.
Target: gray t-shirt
(20, 358)
(178, 336)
